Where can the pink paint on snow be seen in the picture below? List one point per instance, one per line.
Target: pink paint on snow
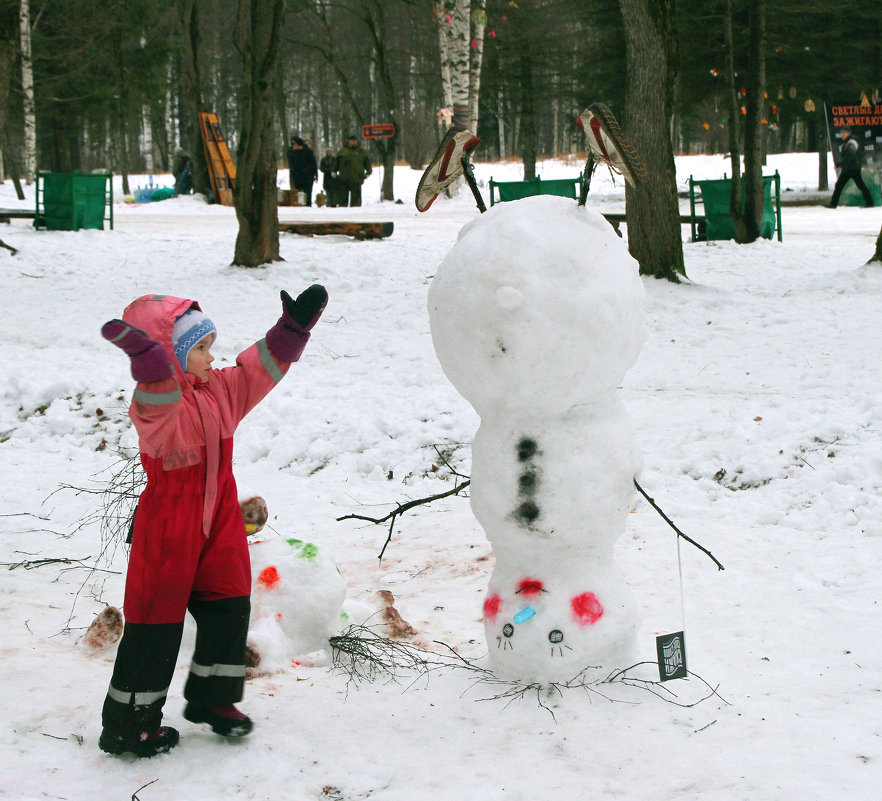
(587, 610)
(492, 605)
(530, 587)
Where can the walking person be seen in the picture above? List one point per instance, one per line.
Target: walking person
(353, 166)
(849, 163)
(189, 547)
(302, 168)
(330, 181)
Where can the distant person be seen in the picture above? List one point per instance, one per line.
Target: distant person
(302, 168)
(182, 171)
(353, 166)
(849, 163)
(330, 181)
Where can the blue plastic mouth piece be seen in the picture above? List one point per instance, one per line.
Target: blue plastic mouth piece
(525, 614)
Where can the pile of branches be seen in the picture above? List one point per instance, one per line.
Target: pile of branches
(364, 656)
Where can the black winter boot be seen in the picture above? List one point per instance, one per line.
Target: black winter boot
(145, 744)
(224, 719)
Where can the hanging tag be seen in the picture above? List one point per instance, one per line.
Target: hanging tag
(671, 650)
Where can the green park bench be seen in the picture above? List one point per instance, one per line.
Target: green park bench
(714, 196)
(502, 191)
(69, 201)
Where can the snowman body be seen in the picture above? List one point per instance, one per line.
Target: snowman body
(536, 315)
(296, 598)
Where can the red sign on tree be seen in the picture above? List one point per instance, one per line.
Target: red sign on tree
(378, 130)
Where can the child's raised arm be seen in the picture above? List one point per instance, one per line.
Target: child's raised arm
(149, 360)
(288, 337)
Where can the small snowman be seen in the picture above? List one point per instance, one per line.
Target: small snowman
(536, 315)
(297, 598)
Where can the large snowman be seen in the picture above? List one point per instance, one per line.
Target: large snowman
(536, 315)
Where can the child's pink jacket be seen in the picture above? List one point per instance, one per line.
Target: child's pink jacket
(189, 537)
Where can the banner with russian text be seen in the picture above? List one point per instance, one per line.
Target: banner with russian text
(864, 117)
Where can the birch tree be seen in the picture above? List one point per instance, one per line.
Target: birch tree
(454, 42)
(479, 25)
(27, 90)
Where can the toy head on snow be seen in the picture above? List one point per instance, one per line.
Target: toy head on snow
(549, 625)
(536, 315)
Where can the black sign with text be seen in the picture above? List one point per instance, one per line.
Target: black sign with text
(671, 650)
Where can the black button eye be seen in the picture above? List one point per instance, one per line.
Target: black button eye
(555, 636)
(508, 629)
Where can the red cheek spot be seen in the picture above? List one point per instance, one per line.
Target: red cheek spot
(492, 605)
(530, 587)
(269, 577)
(587, 610)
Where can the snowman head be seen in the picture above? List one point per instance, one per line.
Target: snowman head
(538, 305)
(550, 626)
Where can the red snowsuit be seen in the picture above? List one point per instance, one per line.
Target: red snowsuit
(189, 547)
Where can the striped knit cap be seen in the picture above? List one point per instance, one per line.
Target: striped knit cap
(190, 329)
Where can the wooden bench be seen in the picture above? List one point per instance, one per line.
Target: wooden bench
(359, 230)
(16, 214)
(695, 220)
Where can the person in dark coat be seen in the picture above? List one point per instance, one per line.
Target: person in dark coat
(302, 168)
(849, 163)
(353, 166)
(330, 181)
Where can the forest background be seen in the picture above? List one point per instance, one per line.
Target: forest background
(112, 79)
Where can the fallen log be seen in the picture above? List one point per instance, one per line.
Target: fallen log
(359, 230)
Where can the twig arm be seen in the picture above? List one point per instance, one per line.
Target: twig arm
(670, 522)
(401, 509)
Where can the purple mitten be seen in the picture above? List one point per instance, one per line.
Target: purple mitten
(149, 360)
(288, 337)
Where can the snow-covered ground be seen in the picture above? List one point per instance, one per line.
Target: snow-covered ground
(755, 404)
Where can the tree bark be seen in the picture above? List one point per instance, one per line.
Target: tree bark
(260, 27)
(735, 197)
(877, 256)
(27, 90)
(753, 130)
(654, 236)
(8, 51)
(479, 25)
(191, 95)
(453, 40)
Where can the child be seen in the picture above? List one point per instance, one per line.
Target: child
(189, 548)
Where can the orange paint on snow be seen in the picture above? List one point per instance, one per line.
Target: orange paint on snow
(269, 577)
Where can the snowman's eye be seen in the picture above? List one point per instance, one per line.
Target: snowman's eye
(508, 629)
(555, 636)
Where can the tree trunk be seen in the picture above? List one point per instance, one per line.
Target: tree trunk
(735, 197)
(753, 130)
(654, 236)
(479, 25)
(27, 90)
(191, 95)
(386, 99)
(877, 256)
(8, 51)
(260, 27)
(453, 40)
